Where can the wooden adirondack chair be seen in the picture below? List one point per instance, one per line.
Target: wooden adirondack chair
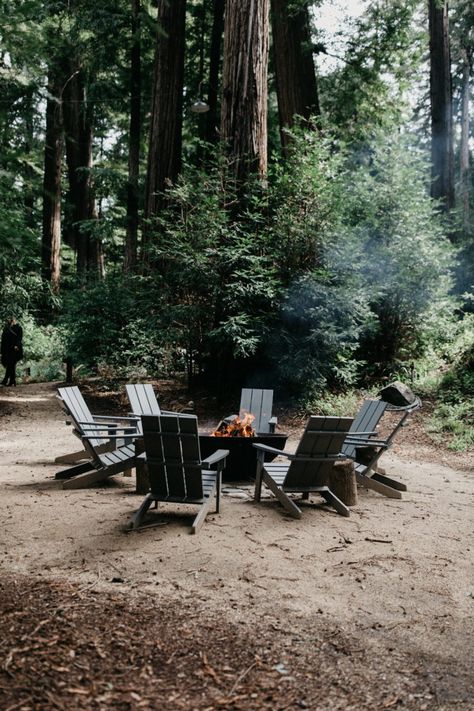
(76, 407)
(177, 474)
(308, 468)
(259, 404)
(365, 445)
(108, 442)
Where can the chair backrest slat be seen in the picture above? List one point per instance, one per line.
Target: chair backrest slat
(143, 399)
(366, 420)
(259, 403)
(322, 440)
(173, 455)
(78, 410)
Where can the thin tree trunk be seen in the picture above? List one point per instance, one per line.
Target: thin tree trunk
(53, 149)
(244, 100)
(212, 117)
(78, 132)
(29, 196)
(464, 158)
(295, 75)
(442, 157)
(164, 155)
(130, 258)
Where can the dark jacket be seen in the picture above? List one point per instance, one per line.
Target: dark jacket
(12, 347)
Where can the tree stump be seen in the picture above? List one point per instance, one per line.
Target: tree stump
(342, 482)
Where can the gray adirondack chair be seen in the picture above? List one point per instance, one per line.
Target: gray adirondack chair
(177, 473)
(258, 403)
(72, 401)
(108, 442)
(308, 469)
(362, 437)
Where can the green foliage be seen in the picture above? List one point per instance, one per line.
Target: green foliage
(332, 404)
(218, 281)
(366, 92)
(453, 388)
(321, 321)
(114, 322)
(24, 294)
(306, 197)
(404, 259)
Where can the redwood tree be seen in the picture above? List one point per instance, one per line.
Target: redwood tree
(53, 149)
(164, 154)
(130, 256)
(77, 113)
(442, 157)
(465, 173)
(244, 98)
(212, 119)
(295, 75)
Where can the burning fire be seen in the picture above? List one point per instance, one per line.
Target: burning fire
(237, 427)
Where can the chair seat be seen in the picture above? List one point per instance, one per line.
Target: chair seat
(118, 456)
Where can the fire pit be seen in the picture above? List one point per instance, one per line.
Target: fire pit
(237, 436)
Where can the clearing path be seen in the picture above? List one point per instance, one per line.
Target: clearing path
(259, 611)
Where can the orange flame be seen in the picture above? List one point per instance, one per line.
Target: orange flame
(238, 427)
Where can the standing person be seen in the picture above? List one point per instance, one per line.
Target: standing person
(11, 350)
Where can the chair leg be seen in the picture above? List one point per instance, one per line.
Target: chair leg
(218, 490)
(283, 498)
(336, 503)
(258, 477)
(83, 480)
(383, 479)
(371, 483)
(74, 471)
(139, 515)
(201, 516)
(71, 458)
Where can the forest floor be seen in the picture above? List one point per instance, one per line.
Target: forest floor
(259, 611)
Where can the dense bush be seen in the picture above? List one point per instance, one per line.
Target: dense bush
(403, 257)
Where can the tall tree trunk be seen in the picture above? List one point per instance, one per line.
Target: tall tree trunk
(77, 115)
(442, 157)
(465, 176)
(297, 90)
(131, 237)
(53, 149)
(212, 117)
(164, 154)
(29, 195)
(244, 100)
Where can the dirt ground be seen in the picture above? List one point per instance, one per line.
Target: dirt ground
(259, 611)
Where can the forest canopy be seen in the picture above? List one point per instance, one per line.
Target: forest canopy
(220, 189)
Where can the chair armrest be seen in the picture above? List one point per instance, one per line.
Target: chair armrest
(106, 418)
(369, 443)
(95, 427)
(272, 450)
(110, 437)
(218, 456)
